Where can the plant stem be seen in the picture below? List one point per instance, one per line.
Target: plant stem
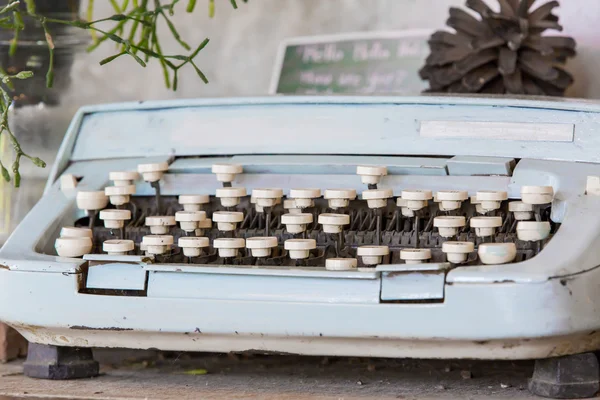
(134, 14)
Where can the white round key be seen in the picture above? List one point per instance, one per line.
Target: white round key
(119, 195)
(333, 223)
(118, 247)
(123, 178)
(415, 256)
(226, 172)
(477, 205)
(532, 231)
(115, 219)
(296, 223)
(458, 252)
(91, 200)
(192, 246)
(304, 197)
(452, 195)
(372, 255)
(188, 220)
(73, 246)
(68, 182)
(305, 193)
(230, 196)
(520, 210)
(193, 202)
(160, 224)
(227, 220)
(491, 199)
(417, 195)
(157, 244)
(299, 249)
(485, 226)
(341, 264)
(416, 198)
(203, 226)
(377, 198)
(190, 216)
(519, 206)
(491, 195)
(153, 172)
(228, 247)
(119, 190)
(261, 246)
(267, 197)
(258, 208)
(71, 231)
(451, 199)
(403, 204)
(448, 226)
(497, 253)
(292, 206)
(193, 242)
(339, 198)
(537, 194)
(371, 174)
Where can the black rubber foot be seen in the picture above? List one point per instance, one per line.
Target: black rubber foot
(568, 377)
(59, 363)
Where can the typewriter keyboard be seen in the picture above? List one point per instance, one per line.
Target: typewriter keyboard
(337, 229)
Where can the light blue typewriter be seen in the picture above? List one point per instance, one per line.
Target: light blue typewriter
(429, 227)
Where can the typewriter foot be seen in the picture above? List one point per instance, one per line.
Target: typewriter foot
(569, 377)
(59, 363)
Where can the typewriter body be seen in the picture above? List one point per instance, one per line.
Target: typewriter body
(429, 227)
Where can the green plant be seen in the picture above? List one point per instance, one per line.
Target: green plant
(134, 32)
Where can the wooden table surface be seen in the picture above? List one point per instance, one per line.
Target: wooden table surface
(150, 375)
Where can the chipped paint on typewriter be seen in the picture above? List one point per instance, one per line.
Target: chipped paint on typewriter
(431, 227)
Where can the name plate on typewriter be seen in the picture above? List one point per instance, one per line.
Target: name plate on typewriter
(536, 132)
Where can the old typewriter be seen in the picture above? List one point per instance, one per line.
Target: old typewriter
(430, 227)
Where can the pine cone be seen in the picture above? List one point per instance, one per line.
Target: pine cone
(501, 52)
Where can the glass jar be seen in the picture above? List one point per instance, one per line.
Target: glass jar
(35, 117)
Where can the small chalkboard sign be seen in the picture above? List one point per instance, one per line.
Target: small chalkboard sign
(357, 63)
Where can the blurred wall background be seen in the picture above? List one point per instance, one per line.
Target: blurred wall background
(239, 58)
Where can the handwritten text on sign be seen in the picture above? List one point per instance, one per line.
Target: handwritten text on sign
(372, 66)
